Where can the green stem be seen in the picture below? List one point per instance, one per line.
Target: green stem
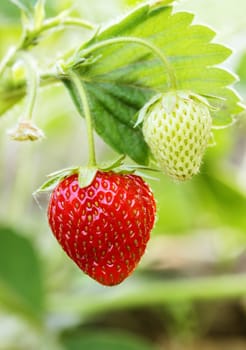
(66, 21)
(32, 78)
(7, 58)
(147, 44)
(83, 107)
(29, 37)
(55, 23)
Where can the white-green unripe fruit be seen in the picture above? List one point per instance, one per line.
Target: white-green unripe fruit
(177, 129)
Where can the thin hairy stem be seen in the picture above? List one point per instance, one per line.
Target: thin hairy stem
(119, 40)
(83, 107)
(32, 78)
(31, 37)
(66, 21)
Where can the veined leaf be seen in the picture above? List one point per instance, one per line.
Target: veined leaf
(21, 287)
(105, 341)
(127, 75)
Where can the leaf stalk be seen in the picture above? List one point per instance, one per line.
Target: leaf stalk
(119, 40)
(32, 78)
(30, 36)
(84, 109)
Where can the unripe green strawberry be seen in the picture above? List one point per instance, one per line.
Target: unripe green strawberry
(177, 128)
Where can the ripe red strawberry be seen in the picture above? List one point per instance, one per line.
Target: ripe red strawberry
(103, 227)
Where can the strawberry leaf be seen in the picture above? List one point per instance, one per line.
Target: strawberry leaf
(125, 76)
(21, 288)
(107, 105)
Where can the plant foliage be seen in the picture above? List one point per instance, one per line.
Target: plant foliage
(124, 77)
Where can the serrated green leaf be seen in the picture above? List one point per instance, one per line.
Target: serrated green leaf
(108, 104)
(128, 75)
(20, 274)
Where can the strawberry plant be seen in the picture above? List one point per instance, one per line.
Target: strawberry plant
(150, 88)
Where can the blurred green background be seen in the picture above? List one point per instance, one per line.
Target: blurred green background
(189, 290)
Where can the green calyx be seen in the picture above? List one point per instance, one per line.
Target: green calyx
(86, 174)
(170, 101)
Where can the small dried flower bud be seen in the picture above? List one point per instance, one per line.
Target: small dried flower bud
(26, 131)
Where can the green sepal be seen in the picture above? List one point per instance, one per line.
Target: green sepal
(136, 170)
(112, 164)
(118, 166)
(49, 185)
(64, 172)
(170, 101)
(82, 62)
(25, 20)
(202, 99)
(55, 178)
(146, 176)
(86, 176)
(39, 14)
(132, 168)
(144, 110)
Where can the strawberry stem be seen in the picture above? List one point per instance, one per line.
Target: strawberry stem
(32, 78)
(55, 24)
(66, 21)
(32, 35)
(7, 58)
(84, 109)
(119, 40)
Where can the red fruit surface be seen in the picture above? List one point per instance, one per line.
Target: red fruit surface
(104, 227)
